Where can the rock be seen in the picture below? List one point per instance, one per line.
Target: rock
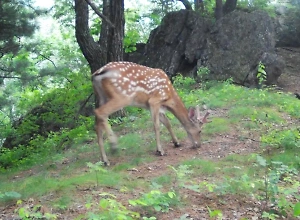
(230, 48)
(238, 42)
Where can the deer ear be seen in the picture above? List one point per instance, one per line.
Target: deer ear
(192, 113)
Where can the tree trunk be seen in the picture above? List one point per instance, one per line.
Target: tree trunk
(229, 6)
(199, 5)
(111, 38)
(219, 9)
(110, 45)
(90, 49)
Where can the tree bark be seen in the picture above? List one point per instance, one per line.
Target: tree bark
(111, 39)
(219, 9)
(90, 49)
(199, 5)
(229, 6)
(110, 45)
(186, 4)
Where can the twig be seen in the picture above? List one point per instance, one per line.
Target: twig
(47, 58)
(285, 48)
(94, 7)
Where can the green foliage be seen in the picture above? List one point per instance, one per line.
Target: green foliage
(269, 114)
(280, 184)
(17, 20)
(183, 83)
(109, 208)
(9, 196)
(261, 74)
(54, 124)
(218, 125)
(286, 138)
(133, 30)
(271, 216)
(97, 168)
(181, 174)
(202, 76)
(155, 199)
(32, 212)
(215, 213)
(257, 5)
(297, 209)
(202, 167)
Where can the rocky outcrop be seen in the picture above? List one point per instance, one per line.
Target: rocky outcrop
(231, 48)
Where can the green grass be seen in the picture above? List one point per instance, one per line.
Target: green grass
(265, 114)
(163, 180)
(217, 126)
(202, 167)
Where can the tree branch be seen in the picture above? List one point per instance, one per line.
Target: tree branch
(186, 4)
(11, 77)
(88, 46)
(94, 7)
(47, 58)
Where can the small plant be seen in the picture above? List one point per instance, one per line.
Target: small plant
(297, 209)
(97, 168)
(183, 82)
(215, 213)
(280, 184)
(33, 212)
(202, 74)
(287, 139)
(180, 174)
(109, 208)
(270, 216)
(261, 74)
(9, 196)
(156, 199)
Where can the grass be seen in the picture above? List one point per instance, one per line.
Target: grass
(217, 126)
(202, 167)
(246, 112)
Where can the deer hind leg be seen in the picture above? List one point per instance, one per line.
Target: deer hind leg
(165, 121)
(99, 131)
(102, 114)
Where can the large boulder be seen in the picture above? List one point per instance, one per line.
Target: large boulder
(177, 44)
(231, 48)
(236, 45)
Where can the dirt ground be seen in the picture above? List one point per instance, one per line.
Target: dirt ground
(232, 206)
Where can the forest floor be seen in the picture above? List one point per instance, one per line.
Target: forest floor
(232, 206)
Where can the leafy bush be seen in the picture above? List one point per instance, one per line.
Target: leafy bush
(287, 138)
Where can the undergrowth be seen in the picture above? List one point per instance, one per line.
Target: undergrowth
(59, 163)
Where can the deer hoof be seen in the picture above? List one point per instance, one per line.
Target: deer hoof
(195, 146)
(160, 153)
(176, 144)
(113, 148)
(106, 163)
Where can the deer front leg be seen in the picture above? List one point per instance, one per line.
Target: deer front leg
(155, 117)
(165, 121)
